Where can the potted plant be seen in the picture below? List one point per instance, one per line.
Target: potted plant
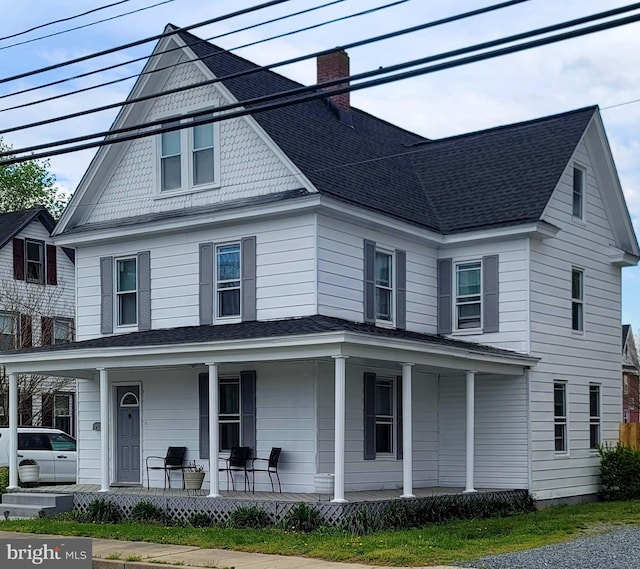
(193, 476)
(28, 470)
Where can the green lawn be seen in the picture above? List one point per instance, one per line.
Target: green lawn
(432, 545)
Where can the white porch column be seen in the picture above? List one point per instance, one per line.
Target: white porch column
(407, 433)
(470, 461)
(104, 430)
(340, 410)
(13, 432)
(214, 432)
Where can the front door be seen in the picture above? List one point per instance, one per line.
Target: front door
(128, 434)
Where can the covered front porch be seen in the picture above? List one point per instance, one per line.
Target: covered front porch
(379, 409)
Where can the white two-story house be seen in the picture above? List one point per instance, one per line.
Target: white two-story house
(37, 302)
(397, 311)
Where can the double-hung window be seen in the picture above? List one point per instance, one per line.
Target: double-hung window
(468, 309)
(577, 299)
(34, 259)
(578, 192)
(560, 417)
(594, 417)
(384, 415)
(8, 332)
(170, 161)
(229, 413)
(62, 331)
(384, 286)
(126, 292)
(228, 280)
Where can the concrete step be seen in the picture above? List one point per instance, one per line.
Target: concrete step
(38, 499)
(14, 511)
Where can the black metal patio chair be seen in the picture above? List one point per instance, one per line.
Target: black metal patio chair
(270, 466)
(237, 462)
(172, 462)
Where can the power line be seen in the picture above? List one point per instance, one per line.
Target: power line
(291, 96)
(86, 25)
(64, 19)
(142, 41)
(251, 71)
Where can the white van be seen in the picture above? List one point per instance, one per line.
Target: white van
(53, 449)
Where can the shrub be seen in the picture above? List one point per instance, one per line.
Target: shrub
(4, 479)
(102, 511)
(362, 521)
(619, 472)
(202, 520)
(303, 518)
(146, 512)
(248, 517)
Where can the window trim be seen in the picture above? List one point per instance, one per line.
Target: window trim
(116, 304)
(561, 420)
(392, 288)
(595, 420)
(455, 304)
(42, 262)
(216, 302)
(187, 185)
(583, 194)
(578, 302)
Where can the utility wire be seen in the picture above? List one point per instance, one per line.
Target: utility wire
(228, 16)
(156, 70)
(301, 95)
(255, 70)
(64, 19)
(86, 25)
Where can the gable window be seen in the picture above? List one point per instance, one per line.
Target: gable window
(384, 415)
(126, 292)
(594, 417)
(468, 308)
(384, 286)
(188, 158)
(578, 192)
(8, 332)
(34, 259)
(577, 299)
(228, 280)
(560, 417)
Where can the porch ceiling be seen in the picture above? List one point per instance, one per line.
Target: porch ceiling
(314, 337)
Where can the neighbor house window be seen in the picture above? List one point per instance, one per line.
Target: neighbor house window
(126, 292)
(560, 416)
(594, 417)
(384, 402)
(229, 413)
(577, 299)
(62, 331)
(34, 259)
(384, 286)
(188, 157)
(578, 192)
(8, 332)
(57, 411)
(228, 280)
(468, 295)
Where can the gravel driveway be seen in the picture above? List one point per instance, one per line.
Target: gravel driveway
(618, 549)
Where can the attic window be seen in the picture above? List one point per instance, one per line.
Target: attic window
(578, 192)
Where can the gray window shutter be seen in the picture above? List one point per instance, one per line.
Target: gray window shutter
(490, 294)
(248, 409)
(369, 281)
(203, 398)
(445, 308)
(248, 256)
(106, 295)
(401, 289)
(144, 290)
(206, 283)
(399, 417)
(369, 416)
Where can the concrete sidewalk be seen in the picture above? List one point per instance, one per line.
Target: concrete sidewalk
(115, 554)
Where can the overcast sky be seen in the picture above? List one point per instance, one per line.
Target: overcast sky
(602, 69)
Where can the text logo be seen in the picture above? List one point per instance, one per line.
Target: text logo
(63, 553)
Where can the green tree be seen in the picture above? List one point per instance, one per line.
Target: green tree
(29, 184)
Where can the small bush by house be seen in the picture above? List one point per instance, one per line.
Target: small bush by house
(619, 472)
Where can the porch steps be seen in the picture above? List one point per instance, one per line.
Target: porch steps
(34, 504)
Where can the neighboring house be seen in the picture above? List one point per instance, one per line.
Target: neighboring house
(630, 377)
(398, 311)
(37, 298)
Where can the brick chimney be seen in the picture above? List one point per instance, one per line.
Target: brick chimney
(335, 65)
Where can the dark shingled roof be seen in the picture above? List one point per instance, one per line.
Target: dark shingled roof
(496, 177)
(13, 222)
(268, 329)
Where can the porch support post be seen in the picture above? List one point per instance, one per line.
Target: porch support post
(407, 433)
(470, 460)
(339, 436)
(214, 443)
(13, 432)
(104, 430)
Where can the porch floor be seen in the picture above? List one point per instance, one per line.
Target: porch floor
(352, 497)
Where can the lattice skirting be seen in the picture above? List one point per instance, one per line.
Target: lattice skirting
(182, 508)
